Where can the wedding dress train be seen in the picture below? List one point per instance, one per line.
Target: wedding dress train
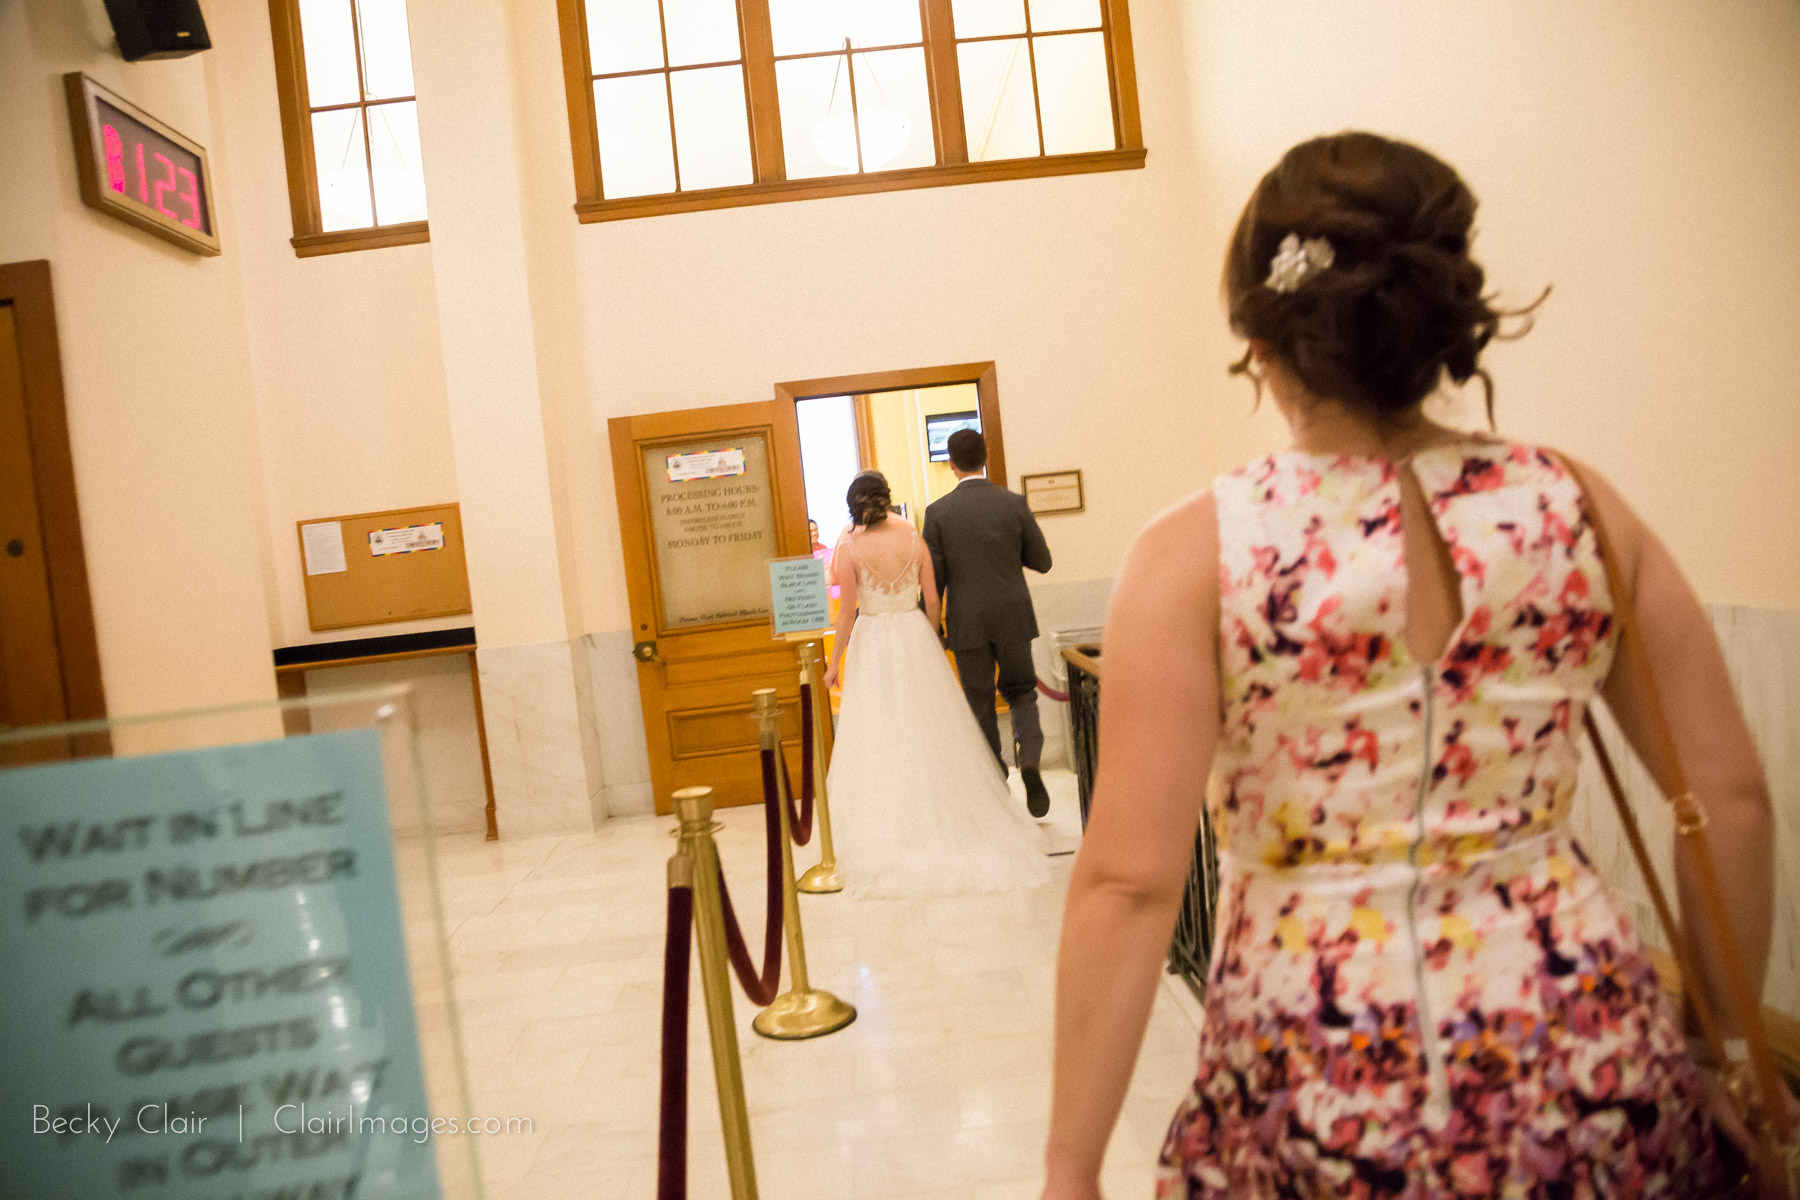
(919, 807)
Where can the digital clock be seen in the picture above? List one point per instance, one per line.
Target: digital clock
(134, 167)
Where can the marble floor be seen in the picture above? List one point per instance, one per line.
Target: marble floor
(938, 1091)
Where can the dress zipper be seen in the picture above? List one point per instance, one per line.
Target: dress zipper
(1437, 1097)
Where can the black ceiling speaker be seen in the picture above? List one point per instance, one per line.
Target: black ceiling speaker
(158, 28)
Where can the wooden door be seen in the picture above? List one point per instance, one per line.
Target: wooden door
(706, 497)
(49, 660)
(30, 673)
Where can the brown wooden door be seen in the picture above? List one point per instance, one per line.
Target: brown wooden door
(31, 690)
(706, 497)
(49, 662)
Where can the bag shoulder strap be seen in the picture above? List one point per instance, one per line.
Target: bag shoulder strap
(1690, 826)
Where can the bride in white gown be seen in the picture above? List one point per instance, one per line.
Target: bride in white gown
(918, 807)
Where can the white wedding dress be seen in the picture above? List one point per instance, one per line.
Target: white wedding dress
(918, 806)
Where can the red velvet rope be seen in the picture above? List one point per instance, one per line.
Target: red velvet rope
(1051, 692)
(671, 1138)
(806, 746)
(760, 987)
(801, 816)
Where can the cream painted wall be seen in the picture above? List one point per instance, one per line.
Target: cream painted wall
(1642, 156)
(157, 379)
(347, 360)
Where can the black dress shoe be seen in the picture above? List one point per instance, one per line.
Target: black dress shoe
(1037, 796)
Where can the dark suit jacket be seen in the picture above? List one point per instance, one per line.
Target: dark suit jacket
(981, 538)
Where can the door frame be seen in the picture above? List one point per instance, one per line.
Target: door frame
(26, 287)
(981, 374)
(724, 642)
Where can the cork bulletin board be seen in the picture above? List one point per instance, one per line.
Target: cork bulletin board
(400, 565)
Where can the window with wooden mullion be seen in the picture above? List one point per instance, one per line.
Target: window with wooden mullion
(832, 110)
(1005, 52)
(854, 97)
(354, 173)
(669, 100)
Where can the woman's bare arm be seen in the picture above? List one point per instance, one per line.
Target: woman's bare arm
(845, 566)
(928, 585)
(1159, 719)
(1712, 740)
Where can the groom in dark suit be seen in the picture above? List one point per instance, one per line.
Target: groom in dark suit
(981, 538)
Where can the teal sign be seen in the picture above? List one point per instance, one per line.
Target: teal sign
(206, 982)
(798, 597)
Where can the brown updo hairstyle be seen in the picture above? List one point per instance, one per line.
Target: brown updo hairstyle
(1399, 306)
(869, 498)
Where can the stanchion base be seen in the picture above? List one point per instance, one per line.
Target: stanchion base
(820, 879)
(797, 1015)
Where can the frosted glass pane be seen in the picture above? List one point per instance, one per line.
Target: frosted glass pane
(998, 114)
(624, 35)
(387, 54)
(814, 97)
(399, 171)
(799, 27)
(712, 127)
(808, 26)
(329, 43)
(894, 109)
(987, 18)
(872, 22)
(343, 171)
(636, 157)
(1064, 14)
(1074, 94)
(701, 31)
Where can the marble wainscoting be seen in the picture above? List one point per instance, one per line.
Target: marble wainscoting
(444, 714)
(535, 741)
(618, 723)
(1762, 652)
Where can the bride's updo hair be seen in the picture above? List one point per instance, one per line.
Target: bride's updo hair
(1375, 297)
(869, 498)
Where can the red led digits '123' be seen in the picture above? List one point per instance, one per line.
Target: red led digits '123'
(115, 159)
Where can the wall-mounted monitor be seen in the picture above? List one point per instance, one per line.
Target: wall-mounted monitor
(939, 427)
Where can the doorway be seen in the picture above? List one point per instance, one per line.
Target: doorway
(49, 656)
(895, 422)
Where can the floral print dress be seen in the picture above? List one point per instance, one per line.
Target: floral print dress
(1420, 987)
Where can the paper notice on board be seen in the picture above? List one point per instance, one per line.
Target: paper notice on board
(323, 543)
(711, 464)
(407, 539)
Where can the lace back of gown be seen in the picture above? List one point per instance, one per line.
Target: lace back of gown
(887, 574)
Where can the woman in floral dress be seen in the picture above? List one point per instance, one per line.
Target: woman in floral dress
(1378, 646)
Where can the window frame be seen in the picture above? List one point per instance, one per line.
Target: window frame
(943, 82)
(310, 238)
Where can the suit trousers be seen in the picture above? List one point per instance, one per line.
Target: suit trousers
(1017, 682)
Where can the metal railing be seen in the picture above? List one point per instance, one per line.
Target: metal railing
(1190, 950)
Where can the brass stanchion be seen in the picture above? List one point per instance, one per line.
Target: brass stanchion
(697, 860)
(802, 1011)
(823, 876)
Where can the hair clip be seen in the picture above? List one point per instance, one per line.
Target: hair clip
(1296, 260)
